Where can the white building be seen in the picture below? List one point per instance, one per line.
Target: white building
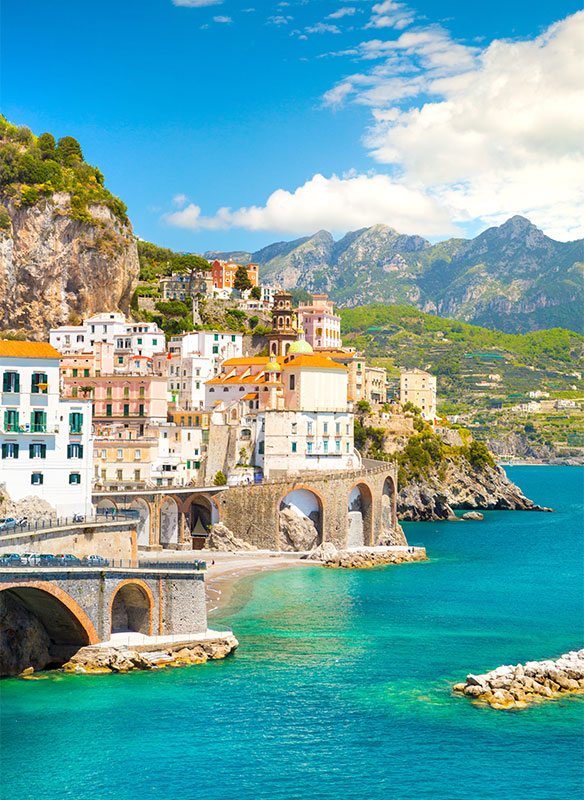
(419, 387)
(45, 440)
(127, 336)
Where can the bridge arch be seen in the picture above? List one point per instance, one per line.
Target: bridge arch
(168, 521)
(65, 622)
(144, 522)
(388, 504)
(307, 505)
(360, 515)
(105, 503)
(202, 511)
(131, 607)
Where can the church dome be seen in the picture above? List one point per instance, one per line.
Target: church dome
(300, 347)
(273, 366)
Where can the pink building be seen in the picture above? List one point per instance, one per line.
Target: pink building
(322, 327)
(118, 398)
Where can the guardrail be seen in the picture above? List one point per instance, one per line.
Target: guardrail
(15, 561)
(64, 522)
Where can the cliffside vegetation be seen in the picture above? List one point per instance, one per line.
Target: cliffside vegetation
(35, 167)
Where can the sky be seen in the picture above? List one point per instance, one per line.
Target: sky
(230, 124)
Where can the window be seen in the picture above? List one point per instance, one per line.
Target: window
(197, 385)
(75, 371)
(215, 349)
(120, 358)
(141, 391)
(74, 391)
(126, 391)
(325, 444)
(338, 428)
(108, 391)
(108, 410)
(309, 428)
(338, 445)
(137, 455)
(11, 382)
(86, 373)
(293, 447)
(74, 450)
(10, 450)
(141, 410)
(294, 427)
(261, 448)
(76, 421)
(38, 421)
(36, 478)
(348, 429)
(126, 409)
(326, 427)
(10, 419)
(39, 383)
(197, 372)
(74, 478)
(120, 474)
(139, 341)
(233, 338)
(292, 382)
(154, 342)
(120, 455)
(309, 447)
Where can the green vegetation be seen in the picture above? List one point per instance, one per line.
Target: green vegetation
(241, 281)
(256, 293)
(33, 168)
(219, 479)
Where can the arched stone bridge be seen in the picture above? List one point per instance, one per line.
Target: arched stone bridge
(84, 606)
(348, 508)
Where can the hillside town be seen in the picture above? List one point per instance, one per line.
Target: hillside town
(113, 405)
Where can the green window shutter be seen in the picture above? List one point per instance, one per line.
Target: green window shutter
(16, 382)
(5, 382)
(16, 449)
(4, 450)
(69, 451)
(188, 464)
(43, 450)
(80, 450)
(6, 423)
(31, 451)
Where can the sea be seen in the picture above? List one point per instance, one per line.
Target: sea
(342, 685)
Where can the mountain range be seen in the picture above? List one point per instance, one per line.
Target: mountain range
(512, 277)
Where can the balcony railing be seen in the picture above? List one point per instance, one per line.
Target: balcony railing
(29, 428)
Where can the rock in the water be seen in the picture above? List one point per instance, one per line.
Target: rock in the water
(515, 686)
(472, 515)
(297, 532)
(374, 557)
(221, 538)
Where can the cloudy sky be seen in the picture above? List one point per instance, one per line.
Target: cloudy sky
(232, 123)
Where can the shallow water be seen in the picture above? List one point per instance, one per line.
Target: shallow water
(342, 682)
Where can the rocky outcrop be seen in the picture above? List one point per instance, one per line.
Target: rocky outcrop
(24, 642)
(521, 446)
(297, 532)
(473, 515)
(517, 686)
(30, 507)
(374, 557)
(324, 552)
(101, 660)
(54, 268)
(221, 538)
(460, 486)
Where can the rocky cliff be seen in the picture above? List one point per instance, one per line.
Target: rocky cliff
(456, 485)
(54, 267)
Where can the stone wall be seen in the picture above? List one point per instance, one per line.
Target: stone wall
(109, 541)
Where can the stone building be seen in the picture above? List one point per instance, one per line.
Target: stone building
(419, 387)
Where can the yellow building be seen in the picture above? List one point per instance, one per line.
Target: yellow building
(419, 387)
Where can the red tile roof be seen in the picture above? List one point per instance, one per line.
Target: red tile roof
(27, 349)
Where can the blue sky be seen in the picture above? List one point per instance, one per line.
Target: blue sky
(233, 124)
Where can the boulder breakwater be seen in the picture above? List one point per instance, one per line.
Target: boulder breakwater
(363, 557)
(520, 685)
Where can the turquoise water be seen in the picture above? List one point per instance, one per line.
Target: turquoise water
(341, 686)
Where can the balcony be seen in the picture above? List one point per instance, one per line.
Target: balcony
(31, 429)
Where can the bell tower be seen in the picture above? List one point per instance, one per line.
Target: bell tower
(284, 330)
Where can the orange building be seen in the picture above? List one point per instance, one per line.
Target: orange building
(224, 274)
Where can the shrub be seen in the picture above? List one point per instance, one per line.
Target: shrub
(219, 479)
(256, 293)
(479, 457)
(5, 221)
(28, 196)
(363, 407)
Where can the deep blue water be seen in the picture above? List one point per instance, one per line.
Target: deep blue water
(341, 686)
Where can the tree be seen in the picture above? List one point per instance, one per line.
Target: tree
(409, 406)
(256, 292)
(69, 151)
(219, 479)
(241, 282)
(191, 264)
(364, 407)
(46, 143)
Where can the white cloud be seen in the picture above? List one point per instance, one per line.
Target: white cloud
(322, 27)
(346, 11)
(226, 20)
(390, 14)
(335, 203)
(491, 132)
(196, 3)
(180, 200)
(278, 20)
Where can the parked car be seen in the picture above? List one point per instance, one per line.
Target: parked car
(7, 522)
(67, 560)
(94, 561)
(48, 560)
(10, 559)
(32, 559)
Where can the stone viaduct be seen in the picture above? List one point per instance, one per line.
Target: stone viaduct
(85, 605)
(348, 508)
